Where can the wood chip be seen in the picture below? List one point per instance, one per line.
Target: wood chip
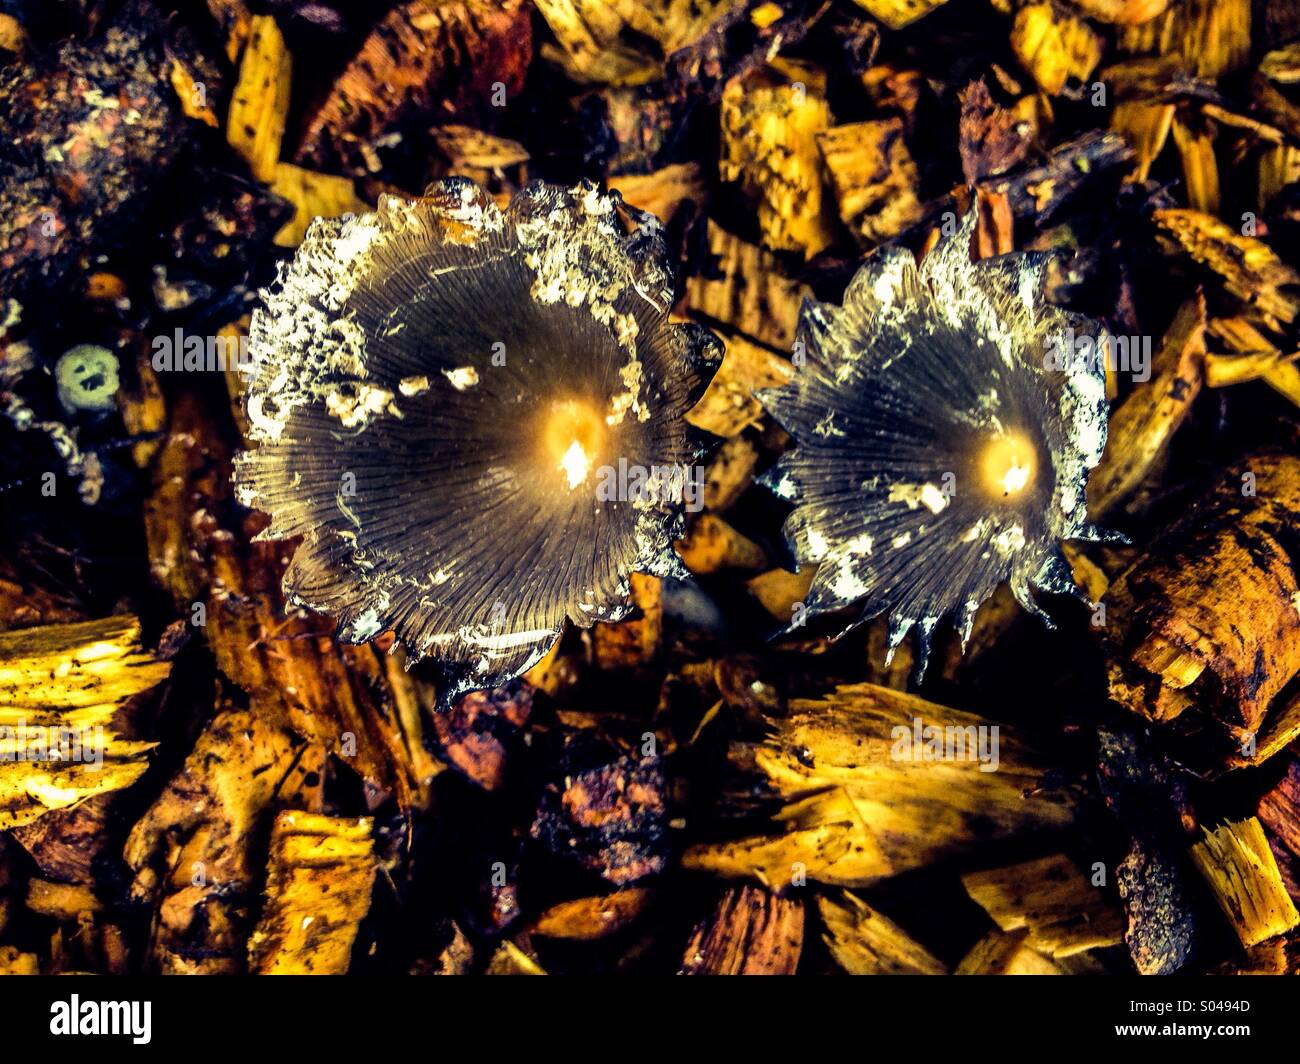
(874, 178)
(770, 122)
(866, 942)
(1239, 867)
(1246, 267)
(319, 880)
(1055, 46)
(895, 782)
(742, 286)
(752, 932)
(1063, 912)
(66, 741)
(259, 107)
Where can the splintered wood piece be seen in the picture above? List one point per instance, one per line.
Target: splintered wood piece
(743, 287)
(589, 919)
(98, 665)
(624, 42)
(1279, 166)
(14, 962)
(1055, 46)
(12, 35)
(1039, 192)
(1140, 430)
(1239, 867)
(1282, 65)
(69, 844)
(62, 901)
(898, 13)
(1001, 953)
(510, 959)
(728, 406)
(1280, 729)
(729, 474)
(1087, 574)
(1146, 126)
(751, 932)
(410, 697)
(880, 781)
(770, 122)
(663, 192)
(994, 226)
(991, 139)
(711, 545)
(193, 98)
(319, 880)
(1051, 897)
(1271, 138)
(591, 45)
(1247, 268)
(874, 178)
(1210, 37)
(1279, 808)
(470, 151)
(62, 739)
(1200, 167)
(259, 107)
(424, 57)
(825, 839)
(194, 851)
(1208, 617)
(1278, 370)
(866, 942)
(1270, 364)
(1122, 12)
(313, 196)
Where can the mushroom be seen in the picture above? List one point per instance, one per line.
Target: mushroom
(439, 393)
(946, 418)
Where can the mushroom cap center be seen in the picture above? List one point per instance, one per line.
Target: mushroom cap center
(573, 436)
(1008, 465)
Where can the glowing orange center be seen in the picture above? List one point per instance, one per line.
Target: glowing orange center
(572, 437)
(1008, 465)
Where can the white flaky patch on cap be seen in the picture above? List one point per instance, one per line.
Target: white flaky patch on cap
(914, 496)
(461, 377)
(301, 344)
(574, 243)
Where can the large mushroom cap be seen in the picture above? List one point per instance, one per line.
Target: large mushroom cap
(946, 418)
(442, 395)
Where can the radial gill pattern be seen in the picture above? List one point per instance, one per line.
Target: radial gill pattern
(447, 399)
(946, 418)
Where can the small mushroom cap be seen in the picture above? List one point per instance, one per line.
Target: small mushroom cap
(946, 419)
